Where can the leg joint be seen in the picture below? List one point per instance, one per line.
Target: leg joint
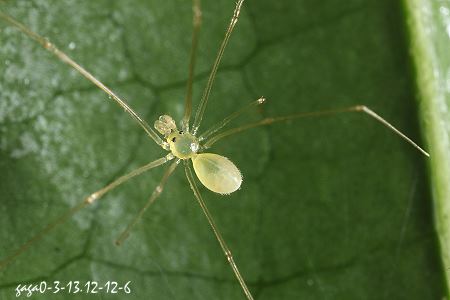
(228, 255)
(91, 198)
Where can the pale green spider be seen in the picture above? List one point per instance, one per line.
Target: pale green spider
(215, 172)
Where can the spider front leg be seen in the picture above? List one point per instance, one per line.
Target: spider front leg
(196, 23)
(204, 101)
(47, 45)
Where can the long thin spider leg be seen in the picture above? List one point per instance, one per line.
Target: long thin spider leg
(87, 201)
(197, 22)
(158, 190)
(212, 75)
(228, 119)
(357, 108)
(66, 59)
(216, 231)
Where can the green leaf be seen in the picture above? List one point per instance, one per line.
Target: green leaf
(429, 23)
(331, 208)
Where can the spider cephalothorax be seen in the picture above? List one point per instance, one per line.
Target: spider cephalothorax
(182, 144)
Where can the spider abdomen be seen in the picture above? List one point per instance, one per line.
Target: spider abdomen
(217, 173)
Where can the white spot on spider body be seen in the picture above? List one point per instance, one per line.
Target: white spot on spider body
(217, 173)
(194, 147)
